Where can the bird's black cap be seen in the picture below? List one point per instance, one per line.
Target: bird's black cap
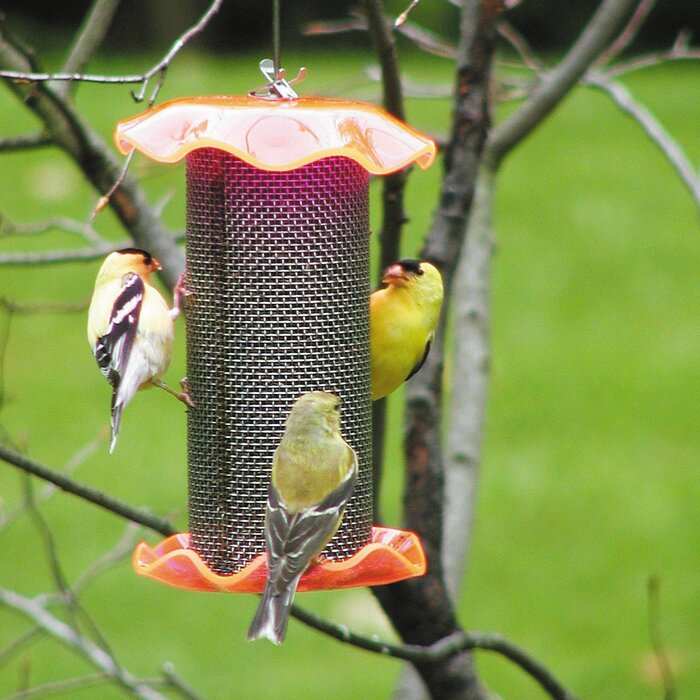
(411, 265)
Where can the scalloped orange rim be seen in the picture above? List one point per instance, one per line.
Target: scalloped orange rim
(316, 128)
(390, 556)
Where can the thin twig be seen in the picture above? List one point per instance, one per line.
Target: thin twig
(557, 83)
(401, 19)
(520, 44)
(628, 34)
(61, 223)
(652, 127)
(177, 683)
(31, 635)
(69, 637)
(656, 638)
(88, 39)
(103, 201)
(24, 142)
(58, 687)
(652, 59)
(158, 69)
(58, 257)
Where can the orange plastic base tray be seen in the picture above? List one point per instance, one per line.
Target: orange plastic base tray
(391, 555)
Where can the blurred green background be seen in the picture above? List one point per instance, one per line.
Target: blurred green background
(590, 477)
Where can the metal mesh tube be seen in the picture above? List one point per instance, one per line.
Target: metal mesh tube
(278, 268)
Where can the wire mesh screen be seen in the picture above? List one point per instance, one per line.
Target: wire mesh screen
(278, 268)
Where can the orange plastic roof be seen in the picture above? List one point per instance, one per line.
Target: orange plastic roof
(276, 134)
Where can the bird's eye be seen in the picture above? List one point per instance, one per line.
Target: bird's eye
(421, 271)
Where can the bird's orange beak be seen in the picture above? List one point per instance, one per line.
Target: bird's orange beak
(394, 274)
(155, 265)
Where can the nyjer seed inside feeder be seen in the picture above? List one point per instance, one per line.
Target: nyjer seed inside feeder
(278, 280)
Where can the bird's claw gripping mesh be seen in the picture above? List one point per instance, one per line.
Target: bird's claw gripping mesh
(277, 267)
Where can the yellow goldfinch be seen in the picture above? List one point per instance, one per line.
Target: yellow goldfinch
(130, 329)
(403, 317)
(313, 476)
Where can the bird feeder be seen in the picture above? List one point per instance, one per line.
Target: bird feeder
(278, 282)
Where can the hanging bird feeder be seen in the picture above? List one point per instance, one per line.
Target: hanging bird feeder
(278, 282)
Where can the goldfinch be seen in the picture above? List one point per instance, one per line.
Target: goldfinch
(313, 476)
(130, 329)
(403, 317)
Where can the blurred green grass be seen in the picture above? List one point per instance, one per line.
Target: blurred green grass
(590, 475)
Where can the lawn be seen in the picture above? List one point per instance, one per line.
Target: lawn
(590, 480)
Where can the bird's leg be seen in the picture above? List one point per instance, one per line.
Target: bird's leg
(179, 292)
(183, 395)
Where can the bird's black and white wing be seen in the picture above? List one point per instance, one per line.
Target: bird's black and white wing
(293, 540)
(113, 349)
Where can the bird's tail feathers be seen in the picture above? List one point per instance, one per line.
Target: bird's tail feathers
(272, 615)
(117, 408)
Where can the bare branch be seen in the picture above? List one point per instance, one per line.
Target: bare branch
(628, 34)
(25, 142)
(520, 44)
(87, 493)
(84, 647)
(653, 129)
(104, 199)
(19, 643)
(653, 59)
(89, 37)
(158, 70)
(178, 684)
(401, 19)
(428, 41)
(657, 642)
(443, 649)
(557, 83)
(470, 380)
(57, 257)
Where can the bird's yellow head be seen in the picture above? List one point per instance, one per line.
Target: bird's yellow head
(117, 264)
(422, 279)
(317, 411)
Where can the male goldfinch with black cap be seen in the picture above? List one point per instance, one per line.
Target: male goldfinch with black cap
(403, 317)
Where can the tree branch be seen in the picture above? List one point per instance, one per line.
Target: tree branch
(557, 83)
(470, 380)
(628, 34)
(83, 646)
(653, 129)
(72, 255)
(25, 142)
